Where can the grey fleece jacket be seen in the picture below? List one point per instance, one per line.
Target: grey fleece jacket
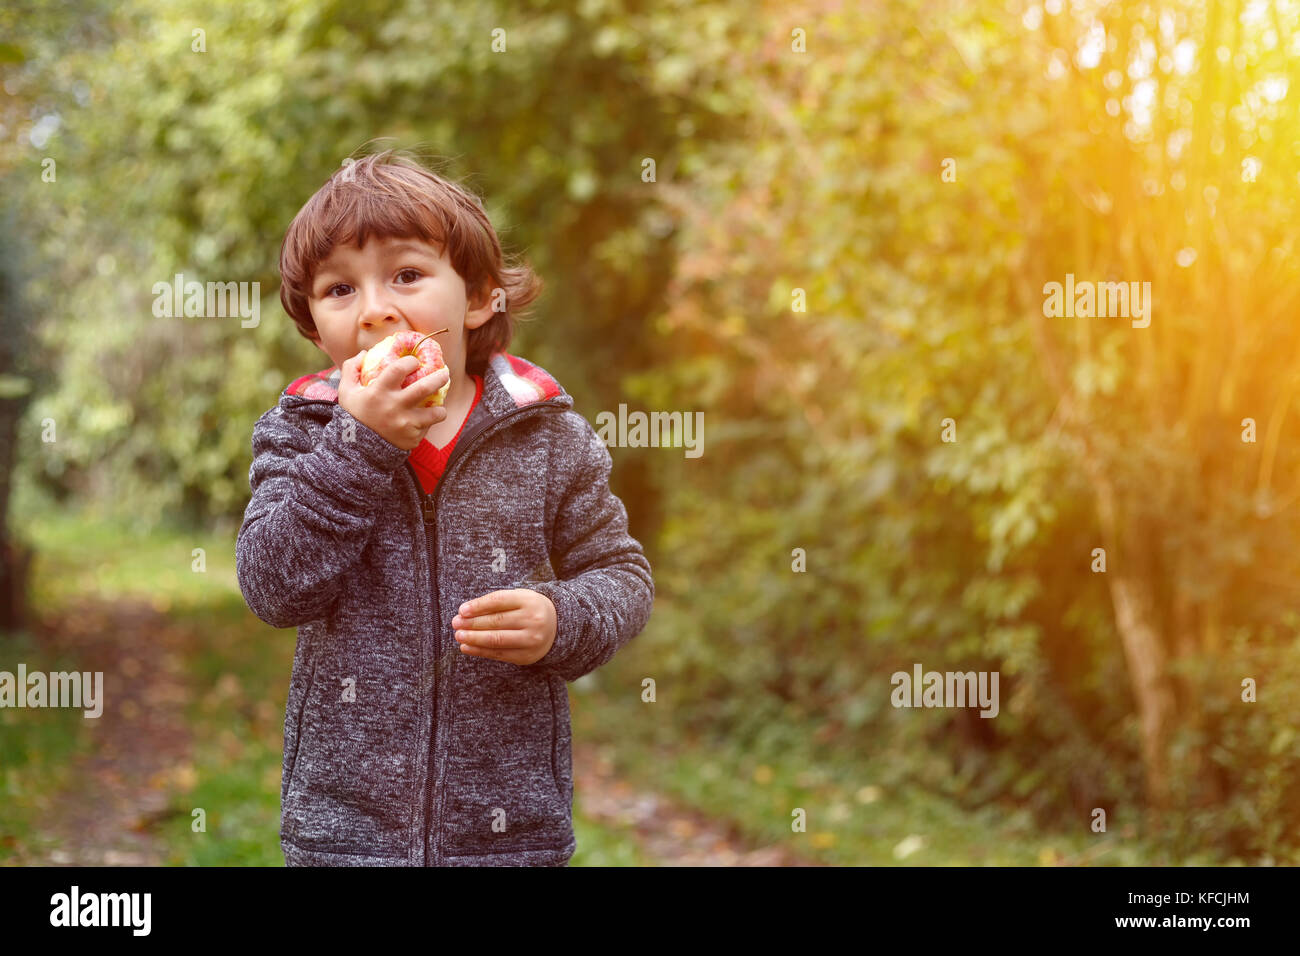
(398, 749)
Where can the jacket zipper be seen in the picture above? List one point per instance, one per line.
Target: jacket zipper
(431, 543)
(428, 508)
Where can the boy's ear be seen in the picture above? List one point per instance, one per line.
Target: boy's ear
(480, 308)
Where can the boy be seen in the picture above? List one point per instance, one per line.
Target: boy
(427, 722)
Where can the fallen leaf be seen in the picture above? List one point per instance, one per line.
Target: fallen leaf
(908, 845)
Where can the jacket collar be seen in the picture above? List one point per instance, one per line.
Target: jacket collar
(509, 382)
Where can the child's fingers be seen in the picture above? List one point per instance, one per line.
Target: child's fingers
(429, 384)
(495, 620)
(503, 600)
(418, 392)
(396, 372)
(351, 368)
(495, 640)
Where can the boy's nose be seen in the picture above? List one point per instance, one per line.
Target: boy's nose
(377, 311)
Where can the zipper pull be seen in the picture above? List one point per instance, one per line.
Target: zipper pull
(426, 506)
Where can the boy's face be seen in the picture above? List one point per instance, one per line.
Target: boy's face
(359, 297)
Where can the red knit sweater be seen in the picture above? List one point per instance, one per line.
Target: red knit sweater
(428, 460)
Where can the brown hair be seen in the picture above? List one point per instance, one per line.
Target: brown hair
(392, 195)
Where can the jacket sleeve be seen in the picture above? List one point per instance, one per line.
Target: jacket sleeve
(311, 512)
(604, 589)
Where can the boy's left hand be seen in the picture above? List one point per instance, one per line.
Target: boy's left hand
(516, 626)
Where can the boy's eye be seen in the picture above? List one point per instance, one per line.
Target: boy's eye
(415, 272)
(329, 292)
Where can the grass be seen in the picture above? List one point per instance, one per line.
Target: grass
(37, 747)
(240, 673)
(110, 559)
(850, 818)
(601, 846)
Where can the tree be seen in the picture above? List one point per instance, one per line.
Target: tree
(16, 322)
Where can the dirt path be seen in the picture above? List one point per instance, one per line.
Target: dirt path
(142, 743)
(141, 740)
(666, 831)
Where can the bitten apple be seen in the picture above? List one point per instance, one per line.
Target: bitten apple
(401, 344)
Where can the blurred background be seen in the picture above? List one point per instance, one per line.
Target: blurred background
(839, 257)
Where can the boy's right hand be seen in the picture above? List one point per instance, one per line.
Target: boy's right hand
(385, 407)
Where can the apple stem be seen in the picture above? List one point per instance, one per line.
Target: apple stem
(429, 336)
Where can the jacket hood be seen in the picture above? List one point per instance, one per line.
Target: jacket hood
(521, 381)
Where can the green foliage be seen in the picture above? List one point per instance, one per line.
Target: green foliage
(824, 428)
